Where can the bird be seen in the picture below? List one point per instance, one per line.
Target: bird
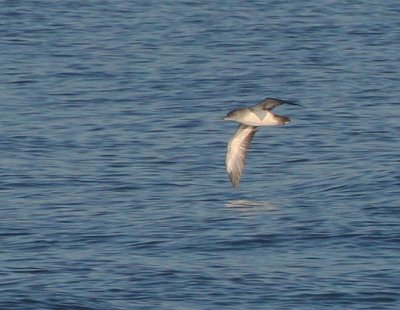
(249, 120)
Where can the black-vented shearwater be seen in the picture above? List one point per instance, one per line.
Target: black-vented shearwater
(249, 119)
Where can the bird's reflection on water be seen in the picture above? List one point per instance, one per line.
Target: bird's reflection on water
(251, 205)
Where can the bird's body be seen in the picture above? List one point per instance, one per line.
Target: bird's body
(249, 119)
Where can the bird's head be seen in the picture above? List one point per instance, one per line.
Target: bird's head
(282, 120)
(231, 116)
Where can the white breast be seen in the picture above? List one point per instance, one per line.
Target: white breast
(259, 118)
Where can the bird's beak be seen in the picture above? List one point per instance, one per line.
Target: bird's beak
(286, 120)
(226, 118)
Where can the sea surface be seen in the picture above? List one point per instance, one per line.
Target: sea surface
(113, 190)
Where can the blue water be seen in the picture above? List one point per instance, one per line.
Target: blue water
(113, 192)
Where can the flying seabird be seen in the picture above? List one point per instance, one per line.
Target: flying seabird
(249, 119)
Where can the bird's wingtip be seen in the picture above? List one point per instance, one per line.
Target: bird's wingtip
(234, 181)
(291, 103)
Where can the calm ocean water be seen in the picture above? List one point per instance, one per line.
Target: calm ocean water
(113, 192)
